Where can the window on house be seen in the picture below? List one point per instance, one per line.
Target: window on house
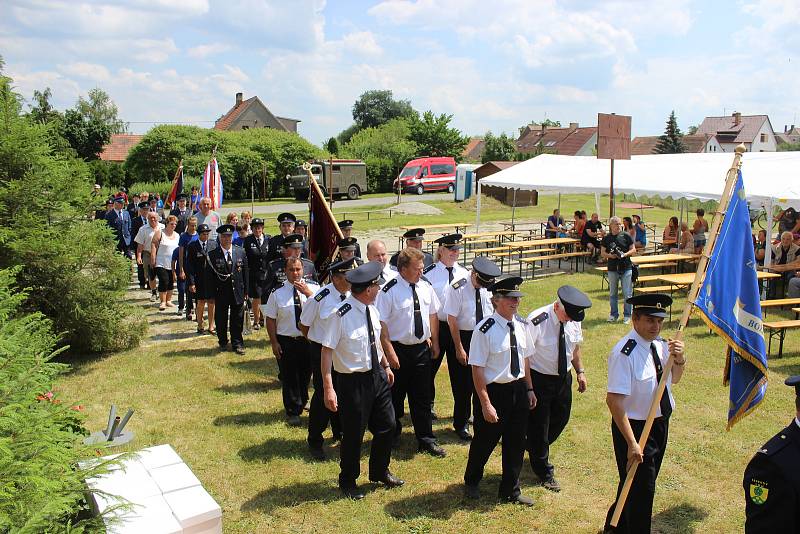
(763, 138)
(550, 144)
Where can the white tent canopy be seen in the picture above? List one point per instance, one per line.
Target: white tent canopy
(767, 175)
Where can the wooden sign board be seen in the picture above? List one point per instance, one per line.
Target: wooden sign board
(613, 136)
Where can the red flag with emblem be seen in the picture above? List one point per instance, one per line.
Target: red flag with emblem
(323, 232)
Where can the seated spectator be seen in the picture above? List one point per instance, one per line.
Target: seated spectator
(699, 231)
(627, 227)
(786, 258)
(555, 224)
(592, 236)
(640, 239)
(761, 247)
(793, 291)
(686, 243)
(578, 225)
(669, 238)
(788, 221)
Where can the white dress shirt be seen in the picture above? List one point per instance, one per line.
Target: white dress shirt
(545, 340)
(347, 335)
(491, 349)
(280, 306)
(460, 303)
(318, 309)
(440, 279)
(396, 306)
(634, 374)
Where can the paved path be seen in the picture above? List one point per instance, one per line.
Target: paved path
(300, 207)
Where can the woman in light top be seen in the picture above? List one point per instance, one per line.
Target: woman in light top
(164, 244)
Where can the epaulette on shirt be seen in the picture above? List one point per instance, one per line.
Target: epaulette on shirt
(778, 442)
(487, 324)
(539, 319)
(429, 268)
(389, 285)
(459, 284)
(628, 347)
(521, 319)
(344, 308)
(322, 294)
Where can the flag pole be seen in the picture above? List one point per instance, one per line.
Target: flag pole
(314, 186)
(719, 215)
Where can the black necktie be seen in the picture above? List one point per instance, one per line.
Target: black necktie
(514, 353)
(666, 407)
(562, 351)
(418, 329)
(204, 246)
(478, 306)
(297, 308)
(373, 348)
(449, 274)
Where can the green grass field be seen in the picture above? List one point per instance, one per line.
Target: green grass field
(223, 414)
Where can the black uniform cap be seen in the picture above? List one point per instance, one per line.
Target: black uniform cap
(654, 304)
(365, 274)
(257, 222)
(121, 200)
(182, 196)
(507, 286)
(794, 381)
(203, 228)
(293, 240)
(225, 229)
(451, 241)
(486, 269)
(341, 267)
(143, 205)
(574, 301)
(301, 222)
(414, 233)
(343, 225)
(109, 202)
(347, 243)
(287, 217)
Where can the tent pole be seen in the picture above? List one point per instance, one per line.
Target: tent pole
(597, 203)
(768, 244)
(514, 208)
(478, 209)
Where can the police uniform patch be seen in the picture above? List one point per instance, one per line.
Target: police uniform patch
(459, 284)
(628, 347)
(322, 294)
(539, 319)
(429, 268)
(487, 324)
(389, 285)
(759, 491)
(343, 309)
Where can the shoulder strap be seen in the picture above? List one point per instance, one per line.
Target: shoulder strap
(487, 324)
(628, 347)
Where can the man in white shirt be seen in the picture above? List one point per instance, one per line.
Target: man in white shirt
(143, 240)
(556, 333)
(410, 337)
(376, 251)
(635, 366)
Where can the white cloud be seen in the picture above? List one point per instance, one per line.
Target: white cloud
(363, 43)
(153, 50)
(90, 71)
(205, 50)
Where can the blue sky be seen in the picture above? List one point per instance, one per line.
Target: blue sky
(494, 65)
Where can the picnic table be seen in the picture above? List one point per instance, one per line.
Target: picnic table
(548, 242)
(658, 258)
(457, 227)
(686, 279)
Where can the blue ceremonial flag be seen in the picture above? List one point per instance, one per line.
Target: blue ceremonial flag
(730, 304)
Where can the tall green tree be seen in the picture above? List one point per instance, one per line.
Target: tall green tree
(384, 149)
(332, 146)
(672, 140)
(498, 148)
(98, 107)
(376, 107)
(434, 136)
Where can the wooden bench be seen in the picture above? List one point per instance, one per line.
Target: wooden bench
(657, 265)
(778, 329)
(648, 278)
(549, 257)
(518, 255)
(777, 303)
(655, 289)
(796, 313)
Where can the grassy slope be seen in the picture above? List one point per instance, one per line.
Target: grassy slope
(223, 414)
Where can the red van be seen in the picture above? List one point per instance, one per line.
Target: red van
(428, 174)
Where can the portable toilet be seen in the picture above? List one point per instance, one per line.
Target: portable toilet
(465, 176)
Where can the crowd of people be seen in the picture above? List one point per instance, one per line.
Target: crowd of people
(353, 347)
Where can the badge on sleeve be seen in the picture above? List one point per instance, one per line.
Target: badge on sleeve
(322, 294)
(459, 284)
(759, 491)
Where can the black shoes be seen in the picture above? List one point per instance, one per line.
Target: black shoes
(472, 492)
(239, 350)
(550, 483)
(317, 453)
(463, 434)
(434, 417)
(389, 480)
(293, 420)
(352, 492)
(519, 499)
(433, 449)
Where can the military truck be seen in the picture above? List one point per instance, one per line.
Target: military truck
(349, 178)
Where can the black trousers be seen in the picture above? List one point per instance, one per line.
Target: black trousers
(548, 419)
(511, 403)
(318, 415)
(638, 509)
(365, 401)
(140, 276)
(228, 311)
(446, 348)
(461, 383)
(414, 378)
(295, 369)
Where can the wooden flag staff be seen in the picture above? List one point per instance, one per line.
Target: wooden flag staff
(719, 215)
(314, 186)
